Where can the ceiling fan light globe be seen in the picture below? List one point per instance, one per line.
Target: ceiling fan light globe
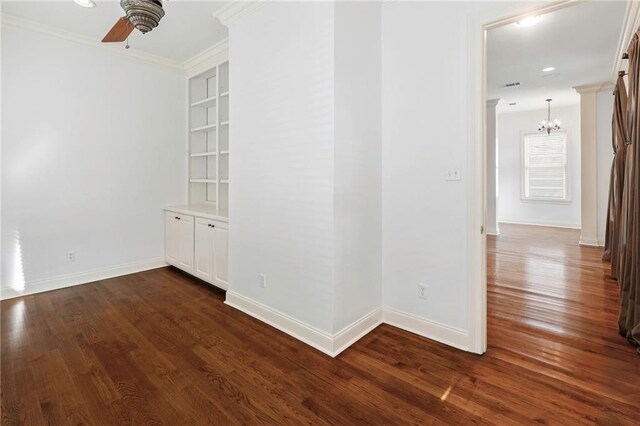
(85, 3)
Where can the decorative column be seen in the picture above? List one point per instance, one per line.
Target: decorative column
(588, 162)
(492, 175)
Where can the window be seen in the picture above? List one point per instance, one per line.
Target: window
(545, 167)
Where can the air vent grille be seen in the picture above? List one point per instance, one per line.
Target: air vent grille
(515, 83)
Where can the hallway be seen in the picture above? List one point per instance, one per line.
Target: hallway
(553, 309)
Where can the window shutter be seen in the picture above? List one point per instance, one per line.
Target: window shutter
(545, 166)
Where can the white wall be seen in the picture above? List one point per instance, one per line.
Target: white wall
(357, 162)
(491, 219)
(91, 148)
(306, 210)
(424, 132)
(604, 149)
(281, 206)
(511, 208)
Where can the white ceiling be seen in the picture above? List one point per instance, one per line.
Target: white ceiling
(187, 28)
(579, 41)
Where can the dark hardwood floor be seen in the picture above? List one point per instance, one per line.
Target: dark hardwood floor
(161, 348)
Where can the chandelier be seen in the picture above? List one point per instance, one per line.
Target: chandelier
(549, 125)
(143, 14)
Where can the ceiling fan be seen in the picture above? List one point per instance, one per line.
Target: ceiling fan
(141, 14)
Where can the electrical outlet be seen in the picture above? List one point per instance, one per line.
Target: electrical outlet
(453, 174)
(71, 256)
(422, 291)
(263, 281)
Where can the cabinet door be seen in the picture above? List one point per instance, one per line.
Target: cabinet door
(221, 255)
(185, 237)
(171, 242)
(203, 265)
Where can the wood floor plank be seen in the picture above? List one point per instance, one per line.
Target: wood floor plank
(160, 347)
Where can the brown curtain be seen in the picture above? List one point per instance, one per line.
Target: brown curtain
(629, 241)
(616, 182)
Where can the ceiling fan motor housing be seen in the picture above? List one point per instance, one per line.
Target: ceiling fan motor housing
(145, 15)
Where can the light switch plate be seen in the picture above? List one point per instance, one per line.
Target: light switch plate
(453, 174)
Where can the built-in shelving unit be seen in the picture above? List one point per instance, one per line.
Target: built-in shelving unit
(209, 137)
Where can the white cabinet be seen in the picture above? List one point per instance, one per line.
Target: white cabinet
(204, 250)
(211, 251)
(198, 245)
(179, 240)
(171, 239)
(220, 258)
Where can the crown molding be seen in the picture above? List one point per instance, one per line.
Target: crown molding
(594, 88)
(629, 28)
(236, 10)
(132, 53)
(207, 59)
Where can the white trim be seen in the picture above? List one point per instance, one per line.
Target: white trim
(334, 344)
(504, 13)
(63, 281)
(545, 223)
(590, 242)
(195, 65)
(631, 24)
(594, 88)
(88, 41)
(330, 344)
(357, 330)
(236, 10)
(494, 232)
(310, 335)
(207, 59)
(430, 329)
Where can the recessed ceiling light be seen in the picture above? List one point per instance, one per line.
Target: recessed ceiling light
(548, 69)
(529, 21)
(85, 3)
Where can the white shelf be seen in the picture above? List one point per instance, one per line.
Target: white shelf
(204, 154)
(209, 149)
(206, 128)
(202, 180)
(205, 103)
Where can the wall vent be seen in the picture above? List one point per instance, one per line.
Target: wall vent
(515, 83)
(513, 103)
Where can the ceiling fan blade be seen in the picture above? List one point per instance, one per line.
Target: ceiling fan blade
(120, 31)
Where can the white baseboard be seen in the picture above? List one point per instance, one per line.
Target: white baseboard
(310, 335)
(357, 330)
(332, 345)
(547, 223)
(327, 343)
(591, 242)
(493, 231)
(430, 329)
(62, 281)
